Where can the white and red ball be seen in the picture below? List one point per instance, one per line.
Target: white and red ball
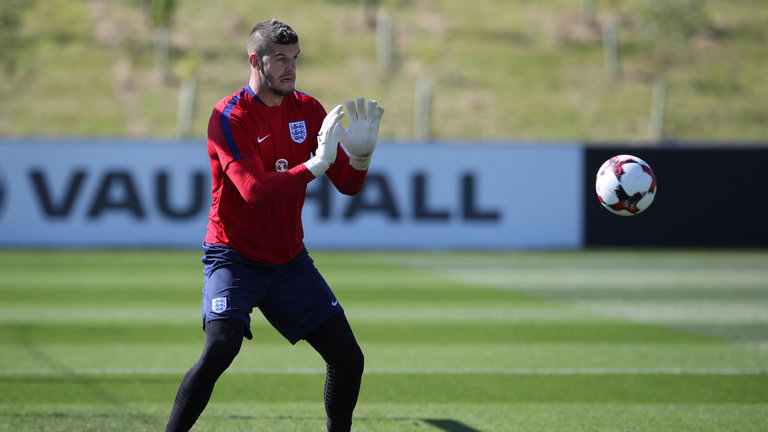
(625, 185)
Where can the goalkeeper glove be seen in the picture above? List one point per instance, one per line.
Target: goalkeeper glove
(360, 139)
(327, 141)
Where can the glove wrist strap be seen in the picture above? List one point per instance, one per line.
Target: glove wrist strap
(360, 164)
(317, 166)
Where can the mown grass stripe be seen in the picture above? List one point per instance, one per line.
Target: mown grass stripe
(421, 388)
(404, 312)
(583, 331)
(392, 371)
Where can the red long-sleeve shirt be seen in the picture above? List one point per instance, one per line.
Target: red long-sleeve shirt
(259, 179)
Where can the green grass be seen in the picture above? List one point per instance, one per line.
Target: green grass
(598, 340)
(501, 69)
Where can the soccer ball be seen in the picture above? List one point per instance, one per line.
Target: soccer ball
(625, 185)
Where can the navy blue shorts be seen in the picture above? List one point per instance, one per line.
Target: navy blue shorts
(293, 296)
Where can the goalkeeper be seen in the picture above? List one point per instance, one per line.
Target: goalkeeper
(266, 142)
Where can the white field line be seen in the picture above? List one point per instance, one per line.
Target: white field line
(396, 371)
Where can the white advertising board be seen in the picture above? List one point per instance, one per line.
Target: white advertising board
(130, 193)
(103, 193)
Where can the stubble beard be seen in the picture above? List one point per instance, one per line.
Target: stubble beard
(272, 84)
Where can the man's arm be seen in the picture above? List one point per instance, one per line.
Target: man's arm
(259, 187)
(347, 179)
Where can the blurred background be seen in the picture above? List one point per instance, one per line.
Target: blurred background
(489, 104)
(632, 70)
(488, 287)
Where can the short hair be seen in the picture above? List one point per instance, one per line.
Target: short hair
(268, 33)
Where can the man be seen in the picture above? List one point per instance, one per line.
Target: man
(261, 141)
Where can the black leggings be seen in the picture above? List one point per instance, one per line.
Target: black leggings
(333, 340)
(344, 369)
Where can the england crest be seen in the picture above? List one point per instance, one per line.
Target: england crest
(219, 304)
(298, 131)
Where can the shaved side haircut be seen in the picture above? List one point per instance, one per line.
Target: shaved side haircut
(268, 33)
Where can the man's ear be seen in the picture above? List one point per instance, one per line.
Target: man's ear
(254, 60)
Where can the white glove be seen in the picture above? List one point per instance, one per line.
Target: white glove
(327, 141)
(360, 139)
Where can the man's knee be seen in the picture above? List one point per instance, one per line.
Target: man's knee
(352, 363)
(223, 339)
(357, 360)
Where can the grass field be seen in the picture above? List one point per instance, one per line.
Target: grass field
(608, 340)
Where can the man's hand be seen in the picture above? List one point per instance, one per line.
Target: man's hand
(360, 139)
(327, 141)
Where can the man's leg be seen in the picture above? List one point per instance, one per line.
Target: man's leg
(344, 360)
(223, 339)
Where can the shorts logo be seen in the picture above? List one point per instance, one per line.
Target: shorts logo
(281, 165)
(219, 304)
(298, 131)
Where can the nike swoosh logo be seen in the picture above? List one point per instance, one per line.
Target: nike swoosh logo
(334, 302)
(260, 139)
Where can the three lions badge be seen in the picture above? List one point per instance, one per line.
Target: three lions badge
(298, 131)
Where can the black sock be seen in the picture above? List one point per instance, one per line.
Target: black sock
(336, 343)
(223, 339)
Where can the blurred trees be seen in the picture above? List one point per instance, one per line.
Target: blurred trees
(160, 13)
(11, 43)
